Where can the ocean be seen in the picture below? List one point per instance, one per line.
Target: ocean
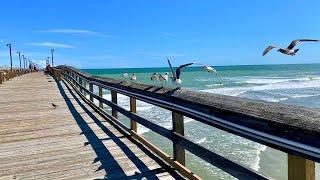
(297, 84)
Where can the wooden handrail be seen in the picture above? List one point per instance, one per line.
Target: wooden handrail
(291, 129)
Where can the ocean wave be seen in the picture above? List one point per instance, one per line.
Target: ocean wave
(284, 85)
(275, 80)
(214, 85)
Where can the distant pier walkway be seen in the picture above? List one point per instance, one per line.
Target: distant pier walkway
(69, 141)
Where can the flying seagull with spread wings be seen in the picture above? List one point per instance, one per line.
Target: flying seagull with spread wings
(289, 50)
(176, 74)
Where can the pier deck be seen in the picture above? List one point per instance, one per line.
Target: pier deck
(71, 141)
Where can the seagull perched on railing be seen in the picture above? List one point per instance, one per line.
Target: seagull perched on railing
(133, 77)
(154, 78)
(163, 78)
(176, 74)
(289, 50)
(125, 75)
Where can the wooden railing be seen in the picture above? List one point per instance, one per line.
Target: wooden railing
(291, 129)
(7, 74)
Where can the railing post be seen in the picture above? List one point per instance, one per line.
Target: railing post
(133, 109)
(1, 76)
(300, 168)
(81, 84)
(114, 100)
(91, 90)
(85, 86)
(101, 95)
(178, 127)
(57, 74)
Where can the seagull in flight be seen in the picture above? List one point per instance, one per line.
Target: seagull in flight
(176, 74)
(289, 50)
(209, 69)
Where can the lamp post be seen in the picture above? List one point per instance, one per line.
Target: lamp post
(52, 50)
(19, 58)
(48, 59)
(9, 45)
(24, 61)
(11, 72)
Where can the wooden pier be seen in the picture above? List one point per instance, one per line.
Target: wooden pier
(69, 141)
(53, 128)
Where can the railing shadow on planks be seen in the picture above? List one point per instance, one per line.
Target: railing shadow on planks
(292, 129)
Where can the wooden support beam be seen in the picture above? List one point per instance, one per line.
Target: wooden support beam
(101, 95)
(133, 109)
(178, 127)
(114, 99)
(91, 90)
(300, 168)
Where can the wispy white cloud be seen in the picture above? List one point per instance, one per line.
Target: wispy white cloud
(78, 31)
(159, 54)
(51, 44)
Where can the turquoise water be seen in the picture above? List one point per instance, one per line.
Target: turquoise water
(291, 84)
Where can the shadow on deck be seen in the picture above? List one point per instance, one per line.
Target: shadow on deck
(109, 164)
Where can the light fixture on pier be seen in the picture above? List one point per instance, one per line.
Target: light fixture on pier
(9, 45)
(19, 58)
(52, 50)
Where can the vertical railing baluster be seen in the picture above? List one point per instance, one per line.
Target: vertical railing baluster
(81, 84)
(300, 168)
(114, 100)
(101, 95)
(133, 109)
(91, 90)
(178, 127)
(85, 86)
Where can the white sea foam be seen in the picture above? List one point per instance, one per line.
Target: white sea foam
(202, 140)
(187, 120)
(284, 85)
(214, 85)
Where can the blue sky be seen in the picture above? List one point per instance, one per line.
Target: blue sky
(141, 33)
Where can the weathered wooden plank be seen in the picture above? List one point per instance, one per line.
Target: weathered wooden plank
(114, 99)
(133, 109)
(72, 141)
(179, 153)
(300, 168)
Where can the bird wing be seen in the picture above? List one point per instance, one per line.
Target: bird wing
(295, 42)
(178, 70)
(267, 50)
(173, 74)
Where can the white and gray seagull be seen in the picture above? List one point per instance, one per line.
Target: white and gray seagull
(154, 77)
(209, 69)
(133, 77)
(176, 74)
(163, 78)
(289, 50)
(125, 75)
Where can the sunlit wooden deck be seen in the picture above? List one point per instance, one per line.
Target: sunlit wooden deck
(71, 141)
